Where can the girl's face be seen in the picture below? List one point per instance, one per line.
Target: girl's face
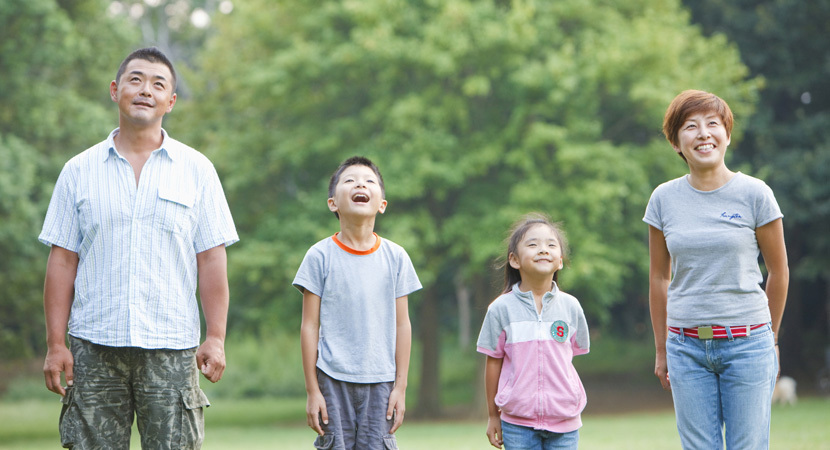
(703, 140)
(538, 253)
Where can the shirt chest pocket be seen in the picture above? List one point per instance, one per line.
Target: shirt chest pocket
(175, 210)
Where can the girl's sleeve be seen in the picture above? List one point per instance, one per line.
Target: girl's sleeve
(582, 339)
(492, 337)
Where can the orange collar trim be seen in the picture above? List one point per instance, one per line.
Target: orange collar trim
(357, 252)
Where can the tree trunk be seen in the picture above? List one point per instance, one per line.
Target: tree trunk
(429, 401)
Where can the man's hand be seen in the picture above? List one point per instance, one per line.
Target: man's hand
(58, 359)
(210, 358)
(315, 410)
(396, 408)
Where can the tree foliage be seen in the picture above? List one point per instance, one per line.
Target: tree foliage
(476, 112)
(54, 68)
(788, 143)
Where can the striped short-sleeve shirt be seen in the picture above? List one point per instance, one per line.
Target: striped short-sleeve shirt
(137, 242)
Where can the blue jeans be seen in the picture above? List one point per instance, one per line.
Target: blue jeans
(719, 383)
(517, 437)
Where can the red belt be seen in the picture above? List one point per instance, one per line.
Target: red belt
(716, 332)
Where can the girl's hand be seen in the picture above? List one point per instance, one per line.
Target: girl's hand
(494, 431)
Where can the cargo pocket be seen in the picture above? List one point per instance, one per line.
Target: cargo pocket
(324, 442)
(390, 442)
(192, 428)
(66, 423)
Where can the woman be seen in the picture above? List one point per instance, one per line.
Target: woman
(715, 327)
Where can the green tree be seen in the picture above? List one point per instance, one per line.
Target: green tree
(55, 69)
(476, 112)
(788, 143)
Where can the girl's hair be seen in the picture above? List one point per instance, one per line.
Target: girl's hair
(517, 233)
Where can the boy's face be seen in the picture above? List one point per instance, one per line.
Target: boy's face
(357, 193)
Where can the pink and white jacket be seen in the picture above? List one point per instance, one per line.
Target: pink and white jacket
(538, 386)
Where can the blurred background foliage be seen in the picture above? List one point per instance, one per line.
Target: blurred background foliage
(476, 112)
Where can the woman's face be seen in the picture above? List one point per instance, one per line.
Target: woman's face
(703, 140)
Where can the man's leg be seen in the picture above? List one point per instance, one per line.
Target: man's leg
(98, 408)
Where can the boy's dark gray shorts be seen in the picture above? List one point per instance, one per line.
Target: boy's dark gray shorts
(161, 387)
(357, 415)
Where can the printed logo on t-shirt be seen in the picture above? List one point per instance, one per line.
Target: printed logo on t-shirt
(728, 216)
(559, 331)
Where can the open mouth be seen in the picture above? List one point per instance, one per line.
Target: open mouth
(360, 198)
(705, 148)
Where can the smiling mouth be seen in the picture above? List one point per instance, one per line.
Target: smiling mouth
(360, 198)
(705, 147)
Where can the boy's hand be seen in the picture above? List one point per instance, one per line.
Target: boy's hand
(397, 408)
(315, 410)
(494, 431)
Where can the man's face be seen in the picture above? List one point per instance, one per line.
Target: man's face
(144, 93)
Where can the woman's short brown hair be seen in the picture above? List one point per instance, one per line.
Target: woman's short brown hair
(692, 102)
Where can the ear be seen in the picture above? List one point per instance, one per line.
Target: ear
(114, 91)
(172, 102)
(332, 205)
(513, 260)
(382, 208)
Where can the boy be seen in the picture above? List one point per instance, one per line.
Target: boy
(355, 334)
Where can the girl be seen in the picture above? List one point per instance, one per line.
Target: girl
(530, 335)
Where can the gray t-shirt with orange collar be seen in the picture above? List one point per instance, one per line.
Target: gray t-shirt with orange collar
(358, 292)
(714, 253)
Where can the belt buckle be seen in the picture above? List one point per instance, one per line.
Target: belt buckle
(705, 333)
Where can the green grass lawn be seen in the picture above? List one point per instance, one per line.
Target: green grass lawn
(280, 424)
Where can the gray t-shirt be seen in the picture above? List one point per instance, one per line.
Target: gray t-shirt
(714, 253)
(358, 292)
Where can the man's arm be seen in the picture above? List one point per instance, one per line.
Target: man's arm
(659, 277)
(212, 265)
(309, 338)
(403, 349)
(58, 293)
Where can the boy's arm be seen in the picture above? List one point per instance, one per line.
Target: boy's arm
(492, 372)
(403, 348)
(309, 337)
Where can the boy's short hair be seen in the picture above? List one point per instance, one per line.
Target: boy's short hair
(152, 54)
(692, 102)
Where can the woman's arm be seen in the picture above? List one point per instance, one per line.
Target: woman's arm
(659, 277)
(771, 242)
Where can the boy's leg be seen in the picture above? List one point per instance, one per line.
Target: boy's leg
(98, 408)
(340, 431)
(169, 402)
(372, 427)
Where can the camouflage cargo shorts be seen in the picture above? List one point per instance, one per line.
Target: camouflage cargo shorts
(112, 384)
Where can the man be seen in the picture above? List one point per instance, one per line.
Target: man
(132, 221)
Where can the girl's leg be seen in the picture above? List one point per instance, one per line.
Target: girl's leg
(517, 437)
(561, 441)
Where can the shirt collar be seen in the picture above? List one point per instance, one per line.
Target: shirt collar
(529, 295)
(167, 146)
